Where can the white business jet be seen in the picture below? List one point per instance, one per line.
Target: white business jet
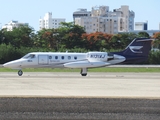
(137, 51)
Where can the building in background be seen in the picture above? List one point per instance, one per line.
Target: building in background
(13, 24)
(141, 25)
(48, 22)
(81, 13)
(100, 19)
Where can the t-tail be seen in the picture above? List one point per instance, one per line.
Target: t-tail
(137, 51)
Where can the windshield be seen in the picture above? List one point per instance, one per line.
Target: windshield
(29, 56)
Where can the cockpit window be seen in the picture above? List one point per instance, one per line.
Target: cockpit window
(29, 56)
(32, 56)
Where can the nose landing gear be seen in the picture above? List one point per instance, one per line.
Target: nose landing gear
(20, 72)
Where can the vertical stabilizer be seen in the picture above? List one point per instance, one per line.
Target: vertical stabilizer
(137, 51)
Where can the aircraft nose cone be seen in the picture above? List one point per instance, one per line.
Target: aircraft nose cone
(12, 64)
(6, 65)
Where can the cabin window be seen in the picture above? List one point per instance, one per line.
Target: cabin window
(56, 57)
(75, 57)
(50, 57)
(69, 57)
(62, 57)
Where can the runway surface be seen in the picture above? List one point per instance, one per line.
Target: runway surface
(39, 96)
(73, 84)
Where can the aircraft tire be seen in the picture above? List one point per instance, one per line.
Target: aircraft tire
(20, 72)
(84, 71)
(84, 74)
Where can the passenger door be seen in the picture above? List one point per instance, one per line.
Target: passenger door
(43, 59)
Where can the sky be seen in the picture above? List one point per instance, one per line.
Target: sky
(30, 11)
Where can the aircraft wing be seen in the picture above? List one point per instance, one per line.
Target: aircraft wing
(85, 64)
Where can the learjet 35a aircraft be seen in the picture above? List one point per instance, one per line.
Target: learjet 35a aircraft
(137, 51)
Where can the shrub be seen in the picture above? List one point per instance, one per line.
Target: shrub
(8, 53)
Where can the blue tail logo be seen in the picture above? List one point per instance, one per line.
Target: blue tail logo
(137, 51)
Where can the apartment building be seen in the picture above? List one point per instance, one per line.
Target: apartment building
(100, 19)
(141, 25)
(13, 24)
(81, 13)
(48, 22)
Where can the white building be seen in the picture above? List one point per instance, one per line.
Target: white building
(13, 24)
(81, 13)
(48, 22)
(100, 19)
(141, 25)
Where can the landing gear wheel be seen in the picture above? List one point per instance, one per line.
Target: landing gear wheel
(84, 74)
(84, 71)
(20, 72)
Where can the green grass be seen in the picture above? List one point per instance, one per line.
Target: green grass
(104, 69)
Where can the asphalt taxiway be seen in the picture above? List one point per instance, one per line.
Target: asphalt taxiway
(97, 96)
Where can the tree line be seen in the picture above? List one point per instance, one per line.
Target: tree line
(70, 37)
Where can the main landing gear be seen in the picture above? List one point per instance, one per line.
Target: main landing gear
(20, 72)
(84, 71)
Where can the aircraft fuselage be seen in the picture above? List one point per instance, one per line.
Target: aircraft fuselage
(61, 60)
